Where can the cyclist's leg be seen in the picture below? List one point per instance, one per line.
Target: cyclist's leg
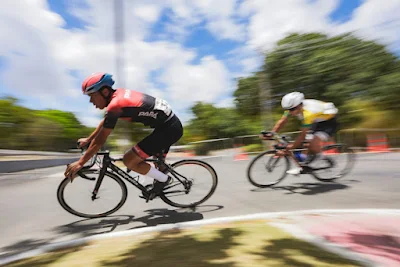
(322, 132)
(315, 145)
(172, 132)
(160, 139)
(134, 160)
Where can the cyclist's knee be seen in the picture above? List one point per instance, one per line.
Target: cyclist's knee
(131, 160)
(315, 144)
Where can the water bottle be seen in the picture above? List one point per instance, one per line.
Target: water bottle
(300, 156)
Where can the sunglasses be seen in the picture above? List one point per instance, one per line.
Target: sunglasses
(291, 109)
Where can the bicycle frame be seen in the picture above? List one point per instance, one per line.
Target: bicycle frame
(282, 143)
(108, 163)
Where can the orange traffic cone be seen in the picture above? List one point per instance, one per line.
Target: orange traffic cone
(189, 153)
(377, 143)
(240, 154)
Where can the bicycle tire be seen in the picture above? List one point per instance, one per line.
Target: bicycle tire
(350, 160)
(68, 208)
(251, 177)
(191, 162)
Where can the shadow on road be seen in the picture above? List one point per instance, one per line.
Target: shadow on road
(307, 188)
(153, 217)
(89, 227)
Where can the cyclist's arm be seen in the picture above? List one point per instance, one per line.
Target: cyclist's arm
(93, 135)
(108, 124)
(280, 123)
(300, 138)
(95, 145)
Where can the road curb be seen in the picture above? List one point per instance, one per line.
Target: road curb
(11, 166)
(185, 225)
(320, 242)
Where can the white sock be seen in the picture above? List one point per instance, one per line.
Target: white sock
(156, 174)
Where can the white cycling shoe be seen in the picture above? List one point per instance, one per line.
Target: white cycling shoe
(294, 171)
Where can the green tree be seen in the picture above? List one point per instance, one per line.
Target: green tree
(211, 122)
(247, 96)
(334, 69)
(23, 128)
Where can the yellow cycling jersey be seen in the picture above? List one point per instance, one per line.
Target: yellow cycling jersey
(315, 111)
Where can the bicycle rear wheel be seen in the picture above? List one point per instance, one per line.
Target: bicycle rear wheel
(197, 182)
(76, 197)
(338, 160)
(266, 169)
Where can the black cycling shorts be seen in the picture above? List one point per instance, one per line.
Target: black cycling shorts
(329, 127)
(161, 139)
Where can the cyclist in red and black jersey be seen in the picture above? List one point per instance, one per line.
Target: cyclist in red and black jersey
(135, 107)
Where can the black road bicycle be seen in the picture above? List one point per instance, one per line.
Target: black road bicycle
(99, 192)
(269, 168)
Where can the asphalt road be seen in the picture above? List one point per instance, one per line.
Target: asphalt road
(31, 215)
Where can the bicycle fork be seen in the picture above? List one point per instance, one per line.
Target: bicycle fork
(100, 179)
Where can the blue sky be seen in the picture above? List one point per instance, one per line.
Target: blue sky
(62, 8)
(184, 51)
(344, 11)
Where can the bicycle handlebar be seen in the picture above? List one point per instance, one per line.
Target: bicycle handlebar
(82, 148)
(275, 136)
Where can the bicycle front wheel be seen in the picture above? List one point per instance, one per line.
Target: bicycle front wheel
(267, 169)
(338, 160)
(196, 181)
(77, 197)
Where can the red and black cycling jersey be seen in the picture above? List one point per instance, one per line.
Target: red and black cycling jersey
(136, 107)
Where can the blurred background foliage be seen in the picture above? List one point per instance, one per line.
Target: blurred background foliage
(27, 129)
(361, 77)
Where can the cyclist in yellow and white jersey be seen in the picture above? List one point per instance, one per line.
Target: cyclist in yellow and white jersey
(317, 117)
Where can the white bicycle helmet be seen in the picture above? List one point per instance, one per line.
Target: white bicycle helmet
(292, 100)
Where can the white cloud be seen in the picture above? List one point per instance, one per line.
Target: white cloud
(146, 12)
(271, 21)
(89, 115)
(27, 44)
(40, 52)
(220, 16)
(226, 103)
(379, 20)
(190, 83)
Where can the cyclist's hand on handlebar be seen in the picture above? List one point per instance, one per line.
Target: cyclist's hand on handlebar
(281, 152)
(289, 147)
(83, 142)
(267, 135)
(72, 170)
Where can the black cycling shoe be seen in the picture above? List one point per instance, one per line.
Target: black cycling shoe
(159, 186)
(155, 189)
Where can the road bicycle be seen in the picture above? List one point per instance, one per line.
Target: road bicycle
(99, 192)
(269, 167)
